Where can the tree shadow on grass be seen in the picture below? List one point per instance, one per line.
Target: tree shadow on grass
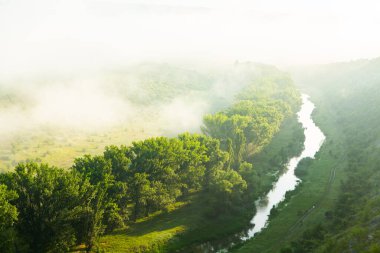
(185, 214)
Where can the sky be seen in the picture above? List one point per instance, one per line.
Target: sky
(66, 35)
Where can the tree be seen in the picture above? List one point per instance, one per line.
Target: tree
(8, 217)
(229, 128)
(217, 160)
(193, 162)
(96, 172)
(226, 189)
(231, 153)
(116, 214)
(240, 142)
(214, 125)
(141, 191)
(47, 203)
(157, 162)
(120, 162)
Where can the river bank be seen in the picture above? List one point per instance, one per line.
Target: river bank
(287, 182)
(307, 205)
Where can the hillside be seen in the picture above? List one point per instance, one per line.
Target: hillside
(336, 207)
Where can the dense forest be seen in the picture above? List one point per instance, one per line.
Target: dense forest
(49, 209)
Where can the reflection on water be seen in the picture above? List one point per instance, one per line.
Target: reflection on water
(287, 182)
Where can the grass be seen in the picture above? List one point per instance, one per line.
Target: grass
(151, 233)
(59, 147)
(173, 231)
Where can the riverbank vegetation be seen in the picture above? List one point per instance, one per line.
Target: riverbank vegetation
(336, 207)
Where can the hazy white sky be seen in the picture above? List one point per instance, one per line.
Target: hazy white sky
(50, 35)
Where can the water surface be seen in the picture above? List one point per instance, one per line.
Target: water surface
(288, 181)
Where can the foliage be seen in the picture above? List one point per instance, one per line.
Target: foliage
(8, 217)
(226, 190)
(255, 117)
(101, 195)
(48, 199)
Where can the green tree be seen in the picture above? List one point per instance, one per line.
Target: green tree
(217, 160)
(8, 217)
(227, 188)
(116, 214)
(140, 191)
(193, 162)
(97, 173)
(158, 160)
(120, 162)
(47, 204)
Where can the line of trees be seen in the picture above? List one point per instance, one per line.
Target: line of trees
(246, 127)
(47, 209)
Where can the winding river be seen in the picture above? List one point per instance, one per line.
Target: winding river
(286, 182)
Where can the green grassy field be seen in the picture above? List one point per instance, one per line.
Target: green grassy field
(59, 147)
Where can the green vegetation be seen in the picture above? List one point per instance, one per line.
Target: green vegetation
(352, 220)
(58, 208)
(160, 194)
(8, 216)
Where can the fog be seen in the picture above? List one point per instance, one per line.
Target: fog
(58, 58)
(58, 117)
(68, 35)
(67, 115)
(98, 101)
(84, 105)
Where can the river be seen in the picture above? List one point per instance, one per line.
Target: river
(286, 182)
